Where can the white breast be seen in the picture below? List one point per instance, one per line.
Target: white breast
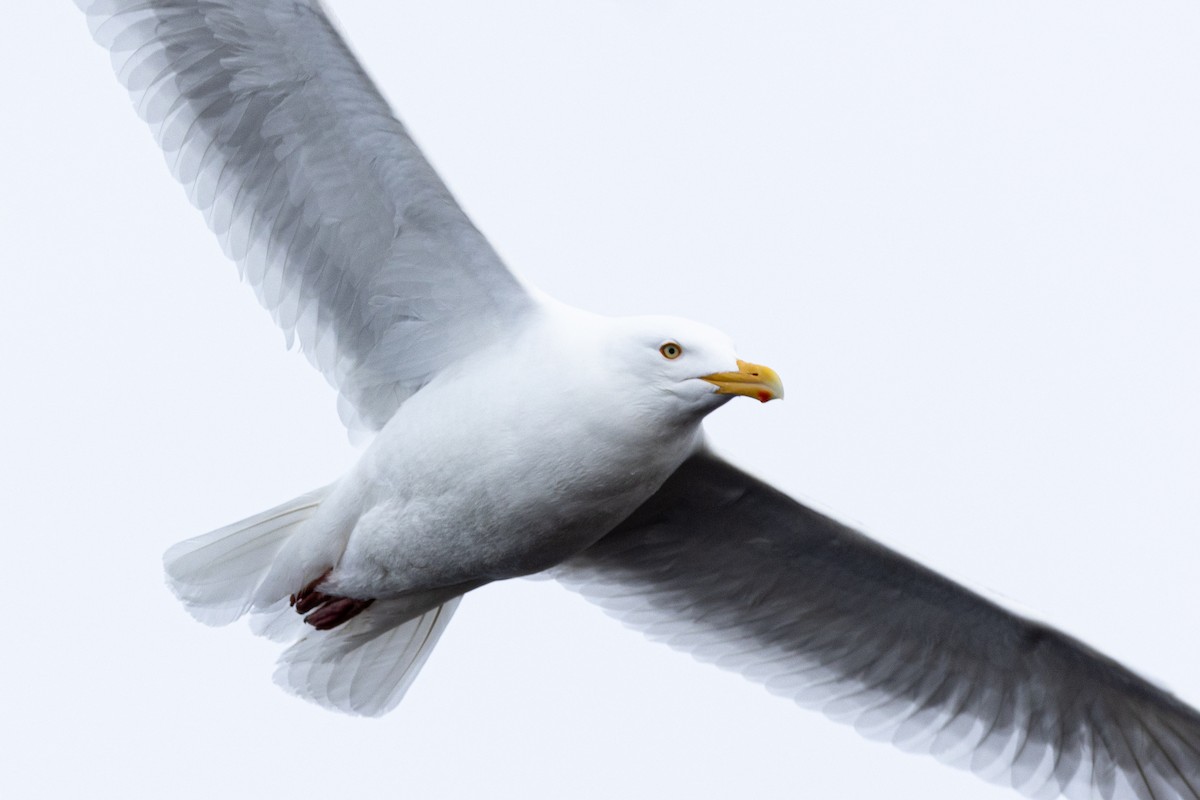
(521, 457)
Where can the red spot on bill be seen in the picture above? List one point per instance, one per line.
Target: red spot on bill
(764, 396)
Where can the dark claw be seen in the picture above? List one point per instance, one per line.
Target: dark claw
(300, 600)
(328, 611)
(335, 611)
(311, 600)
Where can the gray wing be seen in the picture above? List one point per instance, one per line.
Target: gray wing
(314, 188)
(727, 568)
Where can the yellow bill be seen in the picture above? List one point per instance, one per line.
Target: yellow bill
(751, 380)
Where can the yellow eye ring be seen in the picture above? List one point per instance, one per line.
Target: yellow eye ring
(671, 350)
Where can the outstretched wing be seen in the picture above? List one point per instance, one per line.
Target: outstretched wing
(314, 188)
(723, 566)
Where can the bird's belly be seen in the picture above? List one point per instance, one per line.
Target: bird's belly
(502, 521)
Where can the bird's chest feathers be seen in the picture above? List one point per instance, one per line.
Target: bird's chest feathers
(477, 487)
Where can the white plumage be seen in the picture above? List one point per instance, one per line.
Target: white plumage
(469, 482)
(594, 468)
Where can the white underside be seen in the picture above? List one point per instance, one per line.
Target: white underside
(471, 481)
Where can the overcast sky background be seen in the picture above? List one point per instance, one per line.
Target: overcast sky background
(964, 233)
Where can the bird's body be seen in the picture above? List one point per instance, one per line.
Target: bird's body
(515, 435)
(471, 482)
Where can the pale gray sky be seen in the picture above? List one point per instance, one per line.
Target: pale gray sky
(965, 234)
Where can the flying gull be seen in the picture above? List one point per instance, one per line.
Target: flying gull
(515, 435)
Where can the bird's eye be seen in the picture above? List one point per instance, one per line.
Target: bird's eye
(671, 350)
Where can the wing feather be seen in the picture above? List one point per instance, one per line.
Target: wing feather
(314, 189)
(723, 566)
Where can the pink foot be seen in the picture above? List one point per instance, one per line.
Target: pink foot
(328, 611)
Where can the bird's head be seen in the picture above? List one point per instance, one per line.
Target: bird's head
(692, 362)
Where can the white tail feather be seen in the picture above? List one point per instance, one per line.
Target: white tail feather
(367, 664)
(279, 623)
(363, 666)
(215, 575)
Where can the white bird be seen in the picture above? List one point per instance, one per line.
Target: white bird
(515, 435)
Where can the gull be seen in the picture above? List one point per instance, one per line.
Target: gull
(514, 435)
